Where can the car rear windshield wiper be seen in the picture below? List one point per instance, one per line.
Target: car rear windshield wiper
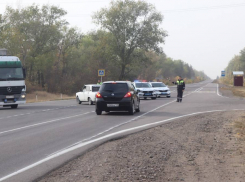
(108, 90)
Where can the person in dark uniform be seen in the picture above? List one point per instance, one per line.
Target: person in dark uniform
(180, 88)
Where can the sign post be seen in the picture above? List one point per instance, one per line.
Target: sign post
(222, 73)
(101, 72)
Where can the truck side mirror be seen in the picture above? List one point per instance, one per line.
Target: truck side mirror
(24, 72)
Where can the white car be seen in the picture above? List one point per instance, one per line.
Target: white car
(87, 94)
(145, 90)
(161, 88)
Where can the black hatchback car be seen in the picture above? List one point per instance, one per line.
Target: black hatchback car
(117, 96)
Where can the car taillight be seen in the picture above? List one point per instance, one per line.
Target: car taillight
(128, 95)
(98, 95)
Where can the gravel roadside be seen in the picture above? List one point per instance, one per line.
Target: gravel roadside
(204, 147)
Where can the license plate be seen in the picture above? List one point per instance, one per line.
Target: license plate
(9, 97)
(147, 93)
(163, 93)
(112, 105)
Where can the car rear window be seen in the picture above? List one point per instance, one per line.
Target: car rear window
(95, 89)
(114, 87)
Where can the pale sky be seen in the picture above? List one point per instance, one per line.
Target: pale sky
(204, 33)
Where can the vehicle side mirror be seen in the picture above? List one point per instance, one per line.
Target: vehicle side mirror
(24, 72)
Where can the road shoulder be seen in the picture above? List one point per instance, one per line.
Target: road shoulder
(204, 147)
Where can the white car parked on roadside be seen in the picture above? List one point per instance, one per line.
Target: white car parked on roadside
(161, 88)
(87, 94)
(145, 90)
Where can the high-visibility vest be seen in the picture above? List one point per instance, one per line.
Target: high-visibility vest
(181, 82)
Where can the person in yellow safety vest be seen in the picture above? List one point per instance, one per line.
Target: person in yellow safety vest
(99, 82)
(180, 88)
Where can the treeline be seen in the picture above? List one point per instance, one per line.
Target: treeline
(237, 63)
(60, 59)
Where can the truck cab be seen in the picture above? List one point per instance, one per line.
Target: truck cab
(12, 81)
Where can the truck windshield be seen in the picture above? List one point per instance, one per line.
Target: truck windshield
(11, 74)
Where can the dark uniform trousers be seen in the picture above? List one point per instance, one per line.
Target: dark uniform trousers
(180, 94)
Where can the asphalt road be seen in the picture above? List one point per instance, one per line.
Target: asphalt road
(37, 138)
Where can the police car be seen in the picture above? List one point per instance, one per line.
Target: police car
(161, 89)
(145, 90)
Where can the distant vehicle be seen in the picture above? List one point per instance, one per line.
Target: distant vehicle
(145, 90)
(87, 94)
(117, 96)
(161, 88)
(12, 81)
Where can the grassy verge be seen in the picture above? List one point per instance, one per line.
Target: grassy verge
(239, 126)
(41, 96)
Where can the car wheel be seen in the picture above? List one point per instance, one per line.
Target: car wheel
(98, 112)
(90, 102)
(168, 96)
(78, 101)
(14, 106)
(132, 109)
(138, 109)
(153, 98)
(145, 98)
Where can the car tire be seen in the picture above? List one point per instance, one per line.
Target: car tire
(153, 98)
(138, 109)
(78, 101)
(168, 96)
(14, 106)
(145, 98)
(90, 102)
(98, 112)
(132, 109)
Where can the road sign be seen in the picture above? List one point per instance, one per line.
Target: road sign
(101, 72)
(222, 73)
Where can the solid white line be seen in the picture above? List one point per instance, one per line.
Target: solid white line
(116, 126)
(98, 139)
(38, 124)
(218, 92)
(56, 154)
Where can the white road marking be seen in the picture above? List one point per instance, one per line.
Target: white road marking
(218, 92)
(101, 138)
(116, 126)
(38, 124)
(46, 110)
(81, 144)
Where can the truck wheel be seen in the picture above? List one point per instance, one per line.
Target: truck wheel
(90, 102)
(78, 101)
(14, 106)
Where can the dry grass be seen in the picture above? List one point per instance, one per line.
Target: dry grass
(45, 96)
(240, 127)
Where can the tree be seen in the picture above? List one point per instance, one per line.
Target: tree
(134, 25)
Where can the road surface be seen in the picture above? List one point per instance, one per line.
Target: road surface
(38, 137)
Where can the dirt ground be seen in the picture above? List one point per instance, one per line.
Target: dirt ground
(201, 148)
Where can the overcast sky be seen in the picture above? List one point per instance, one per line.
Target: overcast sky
(204, 33)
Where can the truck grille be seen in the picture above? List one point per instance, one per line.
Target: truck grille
(11, 90)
